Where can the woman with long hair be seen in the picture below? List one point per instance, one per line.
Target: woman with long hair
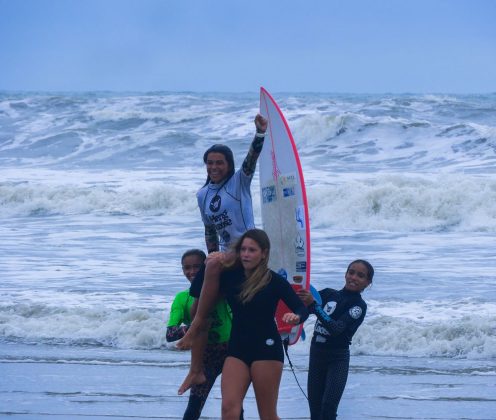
(255, 350)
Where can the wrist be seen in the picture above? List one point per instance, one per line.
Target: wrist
(260, 134)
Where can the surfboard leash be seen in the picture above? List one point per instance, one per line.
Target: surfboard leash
(285, 344)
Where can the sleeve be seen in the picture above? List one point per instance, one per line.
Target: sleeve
(175, 333)
(176, 316)
(351, 318)
(291, 299)
(211, 237)
(197, 283)
(250, 162)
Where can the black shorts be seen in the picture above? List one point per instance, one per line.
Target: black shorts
(261, 348)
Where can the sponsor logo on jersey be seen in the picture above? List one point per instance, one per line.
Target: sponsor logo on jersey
(319, 329)
(329, 307)
(215, 203)
(355, 312)
(269, 342)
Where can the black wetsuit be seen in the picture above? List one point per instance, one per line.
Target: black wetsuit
(338, 318)
(254, 334)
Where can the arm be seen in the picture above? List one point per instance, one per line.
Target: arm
(250, 162)
(211, 238)
(175, 327)
(291, 299)
(175, 333)
(336, 327)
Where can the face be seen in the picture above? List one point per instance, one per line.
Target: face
(251, 254)
(356, 278)
(217, 167)
(191, 266)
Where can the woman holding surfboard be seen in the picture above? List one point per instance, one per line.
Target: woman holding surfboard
(227, 212)
(338, 318)
(255, 351)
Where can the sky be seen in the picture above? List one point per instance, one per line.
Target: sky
(346, 46)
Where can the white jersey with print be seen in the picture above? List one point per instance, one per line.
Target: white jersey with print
(228, 207)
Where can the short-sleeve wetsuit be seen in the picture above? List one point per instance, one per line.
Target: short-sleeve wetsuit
(254, 334)
(338, 318)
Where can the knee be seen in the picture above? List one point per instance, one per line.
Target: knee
(231, 410)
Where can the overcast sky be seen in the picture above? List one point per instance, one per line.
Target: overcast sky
(357, 46)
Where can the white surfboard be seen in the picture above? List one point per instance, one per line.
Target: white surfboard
(284, 207)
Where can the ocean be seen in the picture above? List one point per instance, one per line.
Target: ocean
(97, 205)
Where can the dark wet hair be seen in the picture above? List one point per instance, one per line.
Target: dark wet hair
(195, 252)
(370, 269)
(228, 154)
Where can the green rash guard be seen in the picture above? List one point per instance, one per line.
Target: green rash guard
(221, 317)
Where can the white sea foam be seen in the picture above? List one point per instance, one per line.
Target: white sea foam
(462, 329)
(97, 195)
(384, 202)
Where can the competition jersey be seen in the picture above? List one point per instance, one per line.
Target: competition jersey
(256, 318)
(228, 207)
(338, 318)
(220, 327)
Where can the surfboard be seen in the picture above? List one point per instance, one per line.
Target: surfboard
(284, 207)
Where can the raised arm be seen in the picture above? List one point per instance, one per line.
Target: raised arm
(250, 162)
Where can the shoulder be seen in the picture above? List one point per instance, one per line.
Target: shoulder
(328, 292)
(202, 190)
(276, 277)
(230, 274)
(182, 296)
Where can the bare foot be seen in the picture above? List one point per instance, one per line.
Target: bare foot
(193, 378)
(186, 342)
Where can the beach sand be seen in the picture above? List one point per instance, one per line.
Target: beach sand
(45, 383)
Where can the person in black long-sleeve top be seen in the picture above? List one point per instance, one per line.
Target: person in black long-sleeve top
(338, 318)
(255, 353)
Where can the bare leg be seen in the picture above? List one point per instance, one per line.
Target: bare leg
(208, 298)
(195, 376)
(234, 384)
(266, 377)
(197, 336)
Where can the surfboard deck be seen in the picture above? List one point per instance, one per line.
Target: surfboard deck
(284, 207)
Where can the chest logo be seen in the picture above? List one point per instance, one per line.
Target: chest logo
(355, 312)
(215, 204)
(329, 307)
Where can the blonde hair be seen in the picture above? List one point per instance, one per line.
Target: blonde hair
(261, 275)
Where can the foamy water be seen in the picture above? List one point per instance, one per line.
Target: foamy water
(97, 202)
